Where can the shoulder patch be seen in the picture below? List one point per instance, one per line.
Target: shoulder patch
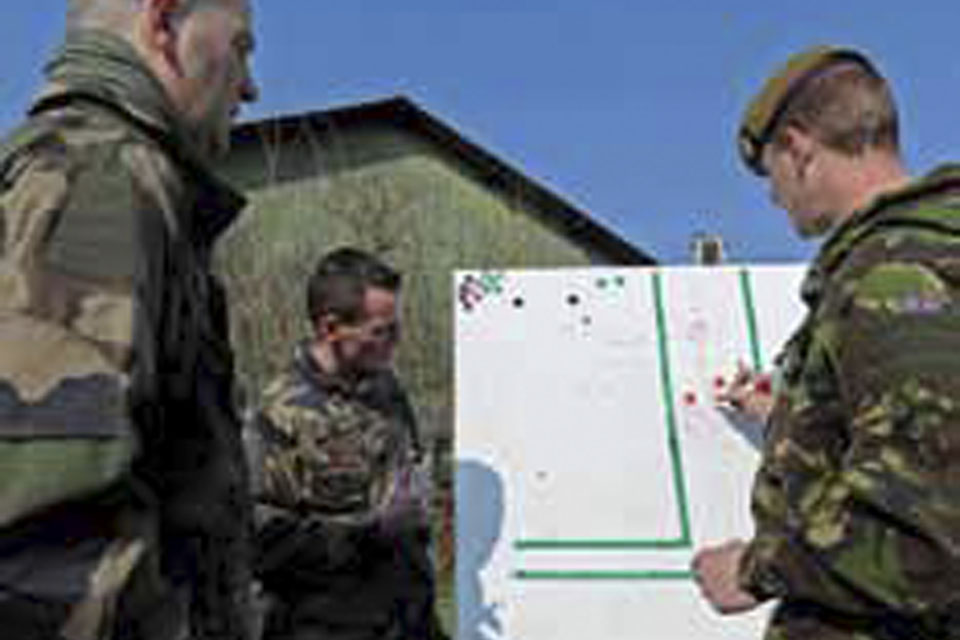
(900, 287)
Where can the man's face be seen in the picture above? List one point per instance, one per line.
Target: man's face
(793, 189)
(214, 46)
(369, 344)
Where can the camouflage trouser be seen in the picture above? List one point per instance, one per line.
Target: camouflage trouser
(304, 620)
(127, 601)
(385, 595)
(345, 610)
(149, 608)
(26, 619)
(801, 621)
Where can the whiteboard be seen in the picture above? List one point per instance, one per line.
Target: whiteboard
(591, 461)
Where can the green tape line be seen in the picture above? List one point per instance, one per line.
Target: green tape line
(685, 540)
(602, 575)
(680, 489)
(750, 310)
(601, 544)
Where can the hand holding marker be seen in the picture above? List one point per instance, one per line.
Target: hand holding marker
(749, 393)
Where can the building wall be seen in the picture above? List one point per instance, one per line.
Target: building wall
(382, 189)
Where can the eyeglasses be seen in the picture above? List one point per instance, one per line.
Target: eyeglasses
(381, 332)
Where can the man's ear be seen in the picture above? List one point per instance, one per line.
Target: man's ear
(160, 30)
(326, 326)
(801, 146)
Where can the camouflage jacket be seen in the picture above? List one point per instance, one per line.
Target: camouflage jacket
(857, 499)
(115, 364)
(334, 460)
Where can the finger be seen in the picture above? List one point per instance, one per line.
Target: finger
(741, 384)
(733, 390)
(732, 399)
(744, 373)
(733, 543)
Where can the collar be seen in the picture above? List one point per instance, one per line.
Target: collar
(102, 68)
(306, 367)
(896, 207)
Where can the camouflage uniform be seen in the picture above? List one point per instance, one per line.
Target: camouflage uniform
(857, 500)
(342, 528)
(124, 475)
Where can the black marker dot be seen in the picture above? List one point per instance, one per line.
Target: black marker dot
(573, 299)
(518, 303)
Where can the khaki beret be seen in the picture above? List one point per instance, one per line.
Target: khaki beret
(764, 112)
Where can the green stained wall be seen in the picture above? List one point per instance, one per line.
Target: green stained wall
(383, 189)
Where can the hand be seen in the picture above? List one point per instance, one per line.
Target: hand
(715, 570)
(750, 394)
(407, 508)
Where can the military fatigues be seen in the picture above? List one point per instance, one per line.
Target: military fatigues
(342, 528)
(857, 500)
(123, 472)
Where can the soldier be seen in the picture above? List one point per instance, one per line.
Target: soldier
(122, 504)
(343, 533)
(857, 499)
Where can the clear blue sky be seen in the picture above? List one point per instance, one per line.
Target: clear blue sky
(626, 108)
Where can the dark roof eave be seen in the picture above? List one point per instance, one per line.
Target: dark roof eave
(405, 114)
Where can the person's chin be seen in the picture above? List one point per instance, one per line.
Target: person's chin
(219, 145)
(214, 141)
(812, 226)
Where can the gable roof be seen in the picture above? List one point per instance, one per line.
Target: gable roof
(496, 174)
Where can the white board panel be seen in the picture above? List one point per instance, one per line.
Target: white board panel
(591, 459)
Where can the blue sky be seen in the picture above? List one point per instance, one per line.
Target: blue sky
(625, 108)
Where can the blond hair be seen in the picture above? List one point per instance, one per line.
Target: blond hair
(113, 15)
(848, 108)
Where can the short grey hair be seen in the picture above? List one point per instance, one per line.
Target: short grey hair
(111, 15)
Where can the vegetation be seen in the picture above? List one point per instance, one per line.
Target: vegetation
(390, 195)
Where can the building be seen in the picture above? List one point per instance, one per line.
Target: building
(389, 177)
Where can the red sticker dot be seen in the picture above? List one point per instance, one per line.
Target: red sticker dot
(763, 385)
(689, 398)
(719, 382)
